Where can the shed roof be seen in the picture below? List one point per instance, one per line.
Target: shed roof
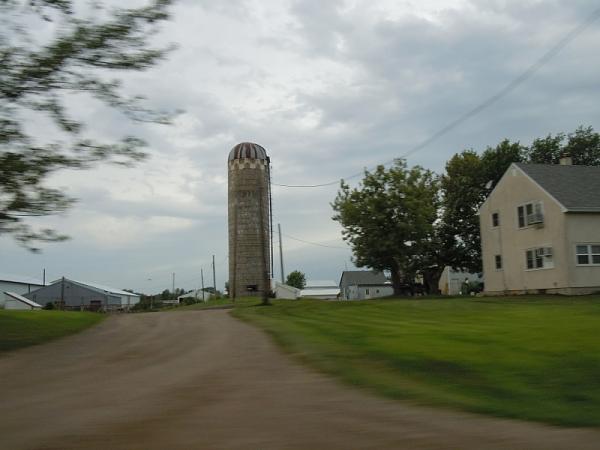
(576, 188)
(318, 284)
(364, 277)
(328, 291)
(23, 299)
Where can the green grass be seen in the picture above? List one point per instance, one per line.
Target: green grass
(219, 303)
(534, 358)
(24, 328)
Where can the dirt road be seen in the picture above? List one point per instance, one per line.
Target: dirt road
(203, 380)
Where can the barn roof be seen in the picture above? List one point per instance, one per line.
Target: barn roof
(20, 279)
(99, 287)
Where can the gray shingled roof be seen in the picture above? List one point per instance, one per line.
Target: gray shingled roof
(363, 277)
(577, 188)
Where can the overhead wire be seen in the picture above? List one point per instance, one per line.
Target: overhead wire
(511, 86)
(314, 243)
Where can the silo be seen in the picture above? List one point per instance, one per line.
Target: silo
(249, 221)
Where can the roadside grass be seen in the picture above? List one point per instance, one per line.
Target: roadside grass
(24, 328)
(533, 358)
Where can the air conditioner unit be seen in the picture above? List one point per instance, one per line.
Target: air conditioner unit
(535, 219)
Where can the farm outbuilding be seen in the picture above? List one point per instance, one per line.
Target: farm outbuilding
(18, 285)
(321, 289)
(16, 301)
(364, 284)
(71, 294)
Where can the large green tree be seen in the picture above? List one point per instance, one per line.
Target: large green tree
(466, 183)
(52, 53)
(582, 145)
(296, 279)
(388, 220)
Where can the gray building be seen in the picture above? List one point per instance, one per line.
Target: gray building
(71, 294)
(17, 284)
(249, 221)
(364, 284)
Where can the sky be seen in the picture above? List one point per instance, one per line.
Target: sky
(329, 88)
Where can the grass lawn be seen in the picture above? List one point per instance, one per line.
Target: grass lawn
(219, 303)
(23, 328)
(535, 358)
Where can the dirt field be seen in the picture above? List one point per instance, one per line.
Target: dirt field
(203, 380)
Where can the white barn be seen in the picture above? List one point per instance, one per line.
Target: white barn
(17, 284)
(16, 301)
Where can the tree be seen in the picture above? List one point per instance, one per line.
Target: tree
(296, 279)
(389, 220)
(468, 180)
(83, 57)
(582, 145)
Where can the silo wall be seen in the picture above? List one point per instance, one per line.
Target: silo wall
(249, 252)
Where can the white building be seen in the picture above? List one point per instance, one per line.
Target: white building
(18, 285)
(321, 289)
(451, 280)
(364, 284)
(16, 301)
(284, 291)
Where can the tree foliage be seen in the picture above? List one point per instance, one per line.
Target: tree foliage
(582, 145)
(389, 219)
(40, 76)
(296, 279)
(468, 179)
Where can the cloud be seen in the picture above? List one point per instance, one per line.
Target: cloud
(329, 88)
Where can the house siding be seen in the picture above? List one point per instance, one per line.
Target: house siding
(514, 189)
(582, 229)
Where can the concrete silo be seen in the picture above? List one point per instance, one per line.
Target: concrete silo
(249, 221)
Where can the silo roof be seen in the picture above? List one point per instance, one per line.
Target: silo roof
(247, 150)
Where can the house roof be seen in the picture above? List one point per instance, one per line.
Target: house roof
(576, 188)
(364, 277)
(22, 299)
(20, 279)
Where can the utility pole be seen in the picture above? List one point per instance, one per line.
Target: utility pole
(173, 284)
(214, 277)
(281, 255)
(62, 293)
(202, 278)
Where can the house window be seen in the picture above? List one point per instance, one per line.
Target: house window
(530, 214)
(498, 262)
(588, 254)
(539, 258)
(367, 291)
(495, 219)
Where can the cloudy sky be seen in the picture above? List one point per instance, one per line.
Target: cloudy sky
(328, 87)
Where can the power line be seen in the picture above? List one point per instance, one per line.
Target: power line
(314, 243)
(511, 86)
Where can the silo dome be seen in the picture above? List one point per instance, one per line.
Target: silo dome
(247, 150)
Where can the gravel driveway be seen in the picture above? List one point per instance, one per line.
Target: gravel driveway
(204, 380)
